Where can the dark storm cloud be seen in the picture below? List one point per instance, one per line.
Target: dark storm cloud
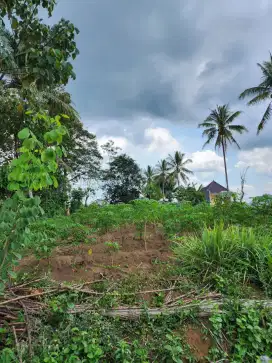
(205, 52)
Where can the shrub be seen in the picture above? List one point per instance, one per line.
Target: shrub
(235, 250)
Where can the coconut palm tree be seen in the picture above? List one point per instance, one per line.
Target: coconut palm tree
(177, 166)
(161, 174)
(262, 92)
(149, 174)
(218, 127)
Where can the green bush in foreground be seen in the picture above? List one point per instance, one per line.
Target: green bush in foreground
(234, 250)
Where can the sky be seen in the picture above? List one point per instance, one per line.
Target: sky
(150, 70)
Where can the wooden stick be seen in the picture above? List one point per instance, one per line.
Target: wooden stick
(205, 308)
(27, 283)
(17, 344)
(27, 296)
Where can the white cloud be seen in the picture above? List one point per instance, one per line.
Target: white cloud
(248, 189)
(207, 162)
(258, 158)
(121, 142)
(160, 140)
(268, 188)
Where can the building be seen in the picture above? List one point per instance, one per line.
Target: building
(211, 190)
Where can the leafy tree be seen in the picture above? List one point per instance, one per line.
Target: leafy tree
(152, 191)
(161, 175)
(177, 167)
(149, 174)
(262, 92)
(191, 194)
(83, 158)
(122, 179)
(219, 128)
(34, 169)
(110, 149)
(170, 187)
(34, 64)
(77, 196)
(34, 51)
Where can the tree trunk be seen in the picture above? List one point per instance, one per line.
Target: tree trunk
(163, 189)
(225, 164)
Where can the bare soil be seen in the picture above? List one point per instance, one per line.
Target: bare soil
(90, 261)
(199, 343)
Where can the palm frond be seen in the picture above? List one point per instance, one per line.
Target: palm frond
(261, 97)
(208, 131)
(238, 128)
(207, 124)
(211, 136)
(265, 118)
(252, 92)
(185, 170)
(232, 117)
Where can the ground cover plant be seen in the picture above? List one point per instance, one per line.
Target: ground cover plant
(164, 278)
(146, 255)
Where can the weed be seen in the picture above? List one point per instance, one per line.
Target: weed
(113, 247)
(234, 251)
(248, 332)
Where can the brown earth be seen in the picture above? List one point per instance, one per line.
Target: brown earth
(87, 262)
(92, 261)
(199, 343)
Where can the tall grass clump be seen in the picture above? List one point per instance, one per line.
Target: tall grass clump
(236, 251)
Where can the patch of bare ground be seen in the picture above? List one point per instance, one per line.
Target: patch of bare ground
(87, 262)
(199, 342)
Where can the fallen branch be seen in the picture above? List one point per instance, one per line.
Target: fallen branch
(18, 298)
(17, 344)
(205, 308)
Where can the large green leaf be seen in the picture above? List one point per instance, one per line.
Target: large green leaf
(24, 134)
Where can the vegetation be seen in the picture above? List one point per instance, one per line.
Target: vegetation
(131, 280)
(122, 180)
(219, 128)
(177, 167)
(262, 92)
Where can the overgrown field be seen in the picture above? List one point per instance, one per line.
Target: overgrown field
(143, 282)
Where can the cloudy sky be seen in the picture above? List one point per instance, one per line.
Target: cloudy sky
(149, 71)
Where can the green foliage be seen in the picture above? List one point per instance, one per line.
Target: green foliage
(46, 234)
(262, 205)
(34, 169)
(249, 330)
(173, 349)
(7, 355)
(81, 348)
(218, 127)
(236, 251)
(77, 196)
(190, 194)
(123, 352)
(38, 52)
(15, 216)
(113, 246)
(261, 92)
(152, 191)
(122, 180)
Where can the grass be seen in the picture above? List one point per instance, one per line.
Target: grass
(215, 249)
(236, 251)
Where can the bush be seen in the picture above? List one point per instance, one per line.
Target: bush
(235, 250)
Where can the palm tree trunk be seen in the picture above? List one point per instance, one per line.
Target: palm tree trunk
(225, 164)
(163, 189)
